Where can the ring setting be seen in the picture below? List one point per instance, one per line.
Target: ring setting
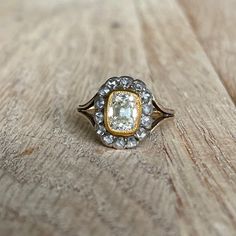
(124, 112)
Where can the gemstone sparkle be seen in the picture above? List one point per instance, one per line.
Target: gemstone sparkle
(123, 113)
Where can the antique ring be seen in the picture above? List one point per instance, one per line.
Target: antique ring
(124, 112)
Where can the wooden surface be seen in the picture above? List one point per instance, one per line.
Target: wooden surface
(214, 25)
(55, 176)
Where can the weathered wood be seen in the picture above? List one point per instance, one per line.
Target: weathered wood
(214, 24)
(55, 176)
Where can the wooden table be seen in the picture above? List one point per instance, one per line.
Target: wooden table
(55, 176)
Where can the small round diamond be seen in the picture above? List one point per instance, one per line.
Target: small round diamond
(98, 117)
(131, 142)
(108, 139)
(126, 82)
(113, 83)
(139, 85)
(146, 122)
(147, 108)
(100, 130)
(99, 103)
(141, 133)
(146, 96)
(119, 143)
(104, 90)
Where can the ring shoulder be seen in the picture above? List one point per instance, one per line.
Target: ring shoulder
(86, 108)
(87, 105)
(160, 113)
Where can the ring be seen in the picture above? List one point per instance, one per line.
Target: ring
(123, 112)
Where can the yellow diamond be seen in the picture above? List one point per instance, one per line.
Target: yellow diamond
(123, 113)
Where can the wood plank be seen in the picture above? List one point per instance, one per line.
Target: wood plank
(214, 24)
(200, 147)
(56, 178)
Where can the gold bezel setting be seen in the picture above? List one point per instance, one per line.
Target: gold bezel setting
(107, 121)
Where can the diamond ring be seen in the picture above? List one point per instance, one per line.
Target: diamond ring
(124, 112)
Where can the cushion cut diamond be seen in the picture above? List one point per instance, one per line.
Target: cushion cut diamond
(123, 113)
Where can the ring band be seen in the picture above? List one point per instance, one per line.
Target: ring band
(123, 112)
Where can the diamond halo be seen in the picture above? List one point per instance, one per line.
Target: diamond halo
(124, 102)
(124, 112)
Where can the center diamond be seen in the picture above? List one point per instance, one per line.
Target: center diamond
(123, 113)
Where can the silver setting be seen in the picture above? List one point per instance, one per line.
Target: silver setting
(152, 112)
(131, 142)
(99, 117)
(141, 133)
(119, 143)
(146, 121)
(107, 139)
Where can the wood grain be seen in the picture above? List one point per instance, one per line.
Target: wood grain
(55, 176)
(214, 25)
